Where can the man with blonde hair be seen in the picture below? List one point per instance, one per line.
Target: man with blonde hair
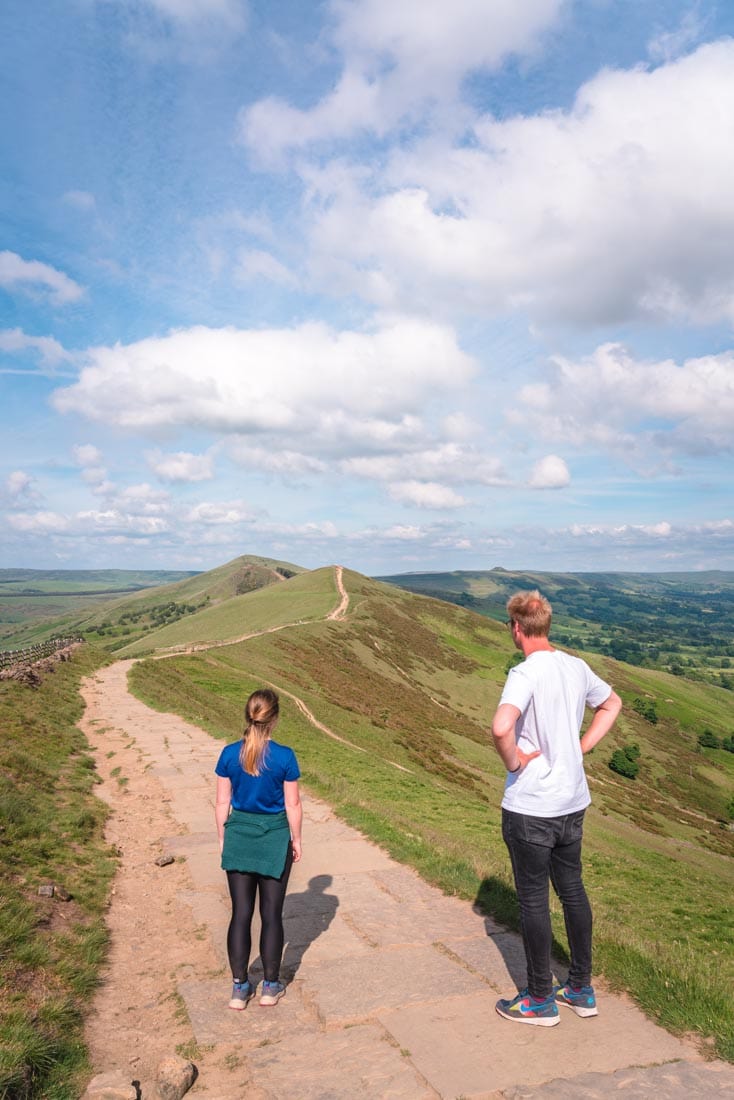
(536, 733)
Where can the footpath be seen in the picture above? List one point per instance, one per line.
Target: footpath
(391, 985)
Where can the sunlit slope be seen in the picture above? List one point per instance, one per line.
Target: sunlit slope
(406, 687)
(131, 618)
(297, 600)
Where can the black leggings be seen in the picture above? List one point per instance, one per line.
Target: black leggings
(243, 887)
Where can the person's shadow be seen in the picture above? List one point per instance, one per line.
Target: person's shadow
(305, 917)
(497, 903)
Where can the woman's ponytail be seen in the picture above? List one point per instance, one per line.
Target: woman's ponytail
(261, 717)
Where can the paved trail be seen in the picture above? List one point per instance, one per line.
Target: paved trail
(392, 985)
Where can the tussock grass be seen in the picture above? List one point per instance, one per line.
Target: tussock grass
(414, 682)
(51, 832)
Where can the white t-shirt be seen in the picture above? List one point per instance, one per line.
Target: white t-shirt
(551, 690)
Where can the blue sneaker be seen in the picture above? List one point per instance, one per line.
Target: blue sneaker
(524, 1010)
(242, 992)
(581, 1001)
(271, 993)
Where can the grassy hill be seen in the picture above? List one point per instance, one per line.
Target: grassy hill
(409, 685)
(406, 684)
(37, 603)
(679, 622)
(127, 610)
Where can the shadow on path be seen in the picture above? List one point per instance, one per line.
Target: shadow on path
(306, 916)
(496, 901)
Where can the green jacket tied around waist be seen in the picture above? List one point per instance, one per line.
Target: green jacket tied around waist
(256, 843)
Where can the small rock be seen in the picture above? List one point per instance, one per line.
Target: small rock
(46, 891)
(61, 893)
(113, 1085)
(163, 861)
(175, 1077)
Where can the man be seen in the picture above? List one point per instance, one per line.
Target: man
(536, 732)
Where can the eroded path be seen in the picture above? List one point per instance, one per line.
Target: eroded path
(391, 985)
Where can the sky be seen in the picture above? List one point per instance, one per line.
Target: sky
(402, 286)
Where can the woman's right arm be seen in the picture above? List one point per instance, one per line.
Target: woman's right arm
(221, 807)
(294, 813)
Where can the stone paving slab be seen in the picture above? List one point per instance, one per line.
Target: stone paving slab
(481, 1053)
(499, 958)
(408, 977)
(674, 1081)
(359, 1062)
(213, 1022)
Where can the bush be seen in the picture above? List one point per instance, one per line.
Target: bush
(646, 708)
(709, 740)
(624, 761)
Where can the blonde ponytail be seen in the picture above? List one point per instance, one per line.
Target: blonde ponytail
(261, 717)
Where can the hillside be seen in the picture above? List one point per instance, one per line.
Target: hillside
(115, 608)
(678, 622)
(37, 603)
(405, 687)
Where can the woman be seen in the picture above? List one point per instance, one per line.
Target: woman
(258, 813)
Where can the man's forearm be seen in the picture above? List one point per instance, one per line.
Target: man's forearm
(604, 718)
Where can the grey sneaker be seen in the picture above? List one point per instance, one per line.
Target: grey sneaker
(271, 993)
(242, 992)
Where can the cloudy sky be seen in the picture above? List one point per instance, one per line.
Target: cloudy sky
(406, 286)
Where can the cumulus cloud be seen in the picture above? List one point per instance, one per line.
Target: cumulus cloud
(89, 459)
(550, 472)
(34, 523)
(49, 351)
(425, 494)
(181, 466)
(447, 462)
(301, 380)
(614, 210)
(17, 272)
(217, 514)
(399, 60)
(255, 265)
(287, 463)
(612, 400)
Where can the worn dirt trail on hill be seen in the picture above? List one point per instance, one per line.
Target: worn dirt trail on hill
(391, 985)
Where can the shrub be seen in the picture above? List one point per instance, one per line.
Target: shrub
(646, 708)
(625, 764)
(709, 740)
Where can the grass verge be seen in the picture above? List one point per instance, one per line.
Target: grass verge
(51, 828)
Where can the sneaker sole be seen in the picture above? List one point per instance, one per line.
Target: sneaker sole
(237, 1005)
(537, 1021)
(579, 1009)
(269, 999)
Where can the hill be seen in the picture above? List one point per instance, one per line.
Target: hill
(682, 623)
(129, 605)
(404, 689)
(34, 601)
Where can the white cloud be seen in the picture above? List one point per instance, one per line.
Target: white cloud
(447, 462)
(399, 60)
(86, 454)
(550, 472)
(286, 463)
(614, 401)
(49, 350)
(181, 466)
(614, 210)
(425, 494)
(15, 271)
(255, 265)
(230, 12)
(216, 514)
(34, 523)
(19, 486)
(302, 380)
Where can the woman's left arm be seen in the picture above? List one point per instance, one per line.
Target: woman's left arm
(294, 813)
(221, 808)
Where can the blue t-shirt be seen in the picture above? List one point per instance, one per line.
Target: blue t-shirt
(259, 794)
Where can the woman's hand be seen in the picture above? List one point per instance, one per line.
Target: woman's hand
(296, 845)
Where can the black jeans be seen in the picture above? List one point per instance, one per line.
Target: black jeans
(543, 850)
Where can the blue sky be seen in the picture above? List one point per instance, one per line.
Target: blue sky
(406, 286)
